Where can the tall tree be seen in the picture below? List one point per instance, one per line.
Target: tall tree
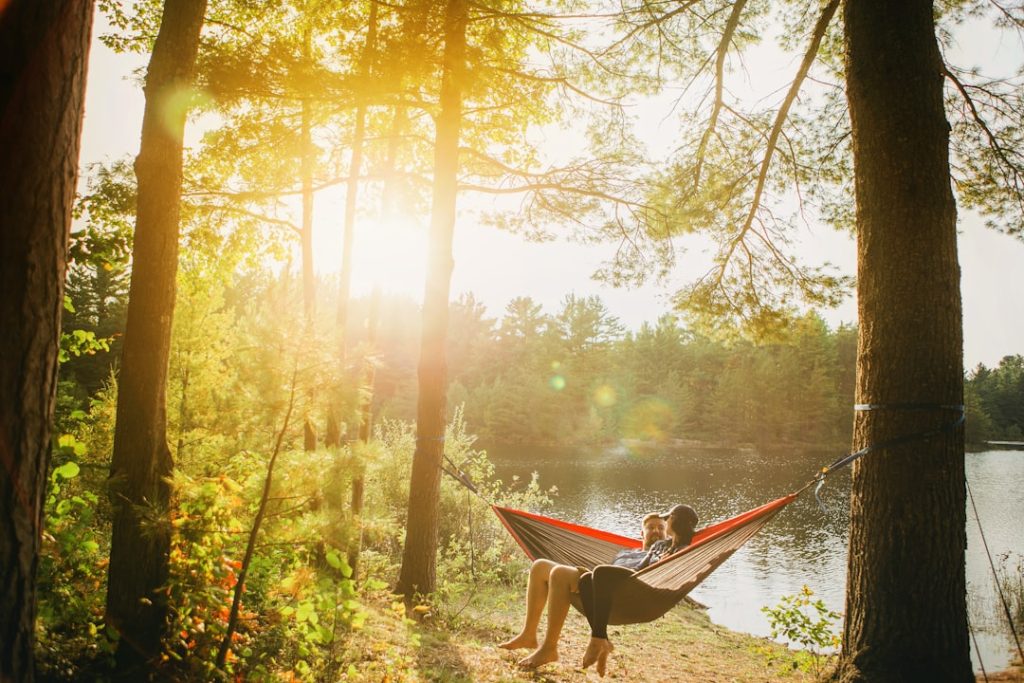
(906, 612)
(906, 616)
(352, 185)
(141, 461)
(44, 49)
(419, 557)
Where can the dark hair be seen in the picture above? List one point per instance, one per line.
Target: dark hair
(683, 523)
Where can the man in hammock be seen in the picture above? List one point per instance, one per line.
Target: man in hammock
(598, 588)
(555, 584)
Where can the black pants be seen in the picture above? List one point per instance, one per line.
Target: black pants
(597, 592)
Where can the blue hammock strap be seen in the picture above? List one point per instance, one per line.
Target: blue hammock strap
(845, 460)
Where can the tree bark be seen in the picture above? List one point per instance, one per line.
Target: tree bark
(141, 463)
(906, 607)
(44, 49)
(419, 557)
(306, 159)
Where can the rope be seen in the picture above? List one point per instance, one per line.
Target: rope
(459, 475)
(849, 458)
(995, 577)
(456, 472)
(977, 650)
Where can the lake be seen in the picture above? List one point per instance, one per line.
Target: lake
(612, 489)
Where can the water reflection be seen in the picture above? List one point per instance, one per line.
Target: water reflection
(802, 546)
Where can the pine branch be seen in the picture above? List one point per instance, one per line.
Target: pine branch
(812, 51)
(723, 50)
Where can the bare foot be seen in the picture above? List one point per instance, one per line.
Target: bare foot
(520, 641)
(594, 649)
(539, 657)
(602, 659)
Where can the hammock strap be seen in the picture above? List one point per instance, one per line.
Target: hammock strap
(458, 474)
(845, 460)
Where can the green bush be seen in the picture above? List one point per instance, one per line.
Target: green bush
(804, 621)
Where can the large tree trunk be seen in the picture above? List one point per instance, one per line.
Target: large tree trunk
(419, 557)
(44, 48)
(905, 609)
(139, 487)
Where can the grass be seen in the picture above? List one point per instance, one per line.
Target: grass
(449, 647)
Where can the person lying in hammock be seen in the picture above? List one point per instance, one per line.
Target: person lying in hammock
(598, 588)
(554, 584)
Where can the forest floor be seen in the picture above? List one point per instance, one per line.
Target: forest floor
(459, 644)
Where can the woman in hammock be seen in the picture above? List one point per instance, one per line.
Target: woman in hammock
(598, 588)
(555, 583)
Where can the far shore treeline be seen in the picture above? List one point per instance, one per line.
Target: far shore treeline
(569, 377)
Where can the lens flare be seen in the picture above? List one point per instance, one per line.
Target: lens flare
(557, 382)
(178, 103)
(604, 396)
(651, 419)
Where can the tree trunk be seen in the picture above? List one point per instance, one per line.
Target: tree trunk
(352, 187)
(306, 172)
(905, 609)
(44, 49)
(141, 464)
(419, 557)
(365, 429)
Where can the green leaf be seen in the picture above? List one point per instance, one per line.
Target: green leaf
(90, 546)
(334, 559)
(68, 470)
(375, 585)
(304, 612)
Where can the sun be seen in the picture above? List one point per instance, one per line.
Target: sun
(387, 253)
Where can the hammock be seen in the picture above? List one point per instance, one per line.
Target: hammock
(654, 590)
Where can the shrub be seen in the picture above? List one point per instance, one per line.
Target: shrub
(804, 621)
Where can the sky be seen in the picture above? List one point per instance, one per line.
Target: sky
(497, 266)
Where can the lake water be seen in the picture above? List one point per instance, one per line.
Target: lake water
(612, 489)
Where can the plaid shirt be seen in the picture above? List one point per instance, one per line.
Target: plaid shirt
(638, 559)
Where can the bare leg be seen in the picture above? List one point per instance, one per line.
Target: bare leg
(564, 581)
(536, 596)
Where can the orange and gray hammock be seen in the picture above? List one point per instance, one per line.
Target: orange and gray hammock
(654, 590)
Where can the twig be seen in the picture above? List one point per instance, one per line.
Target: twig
(236, 601)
